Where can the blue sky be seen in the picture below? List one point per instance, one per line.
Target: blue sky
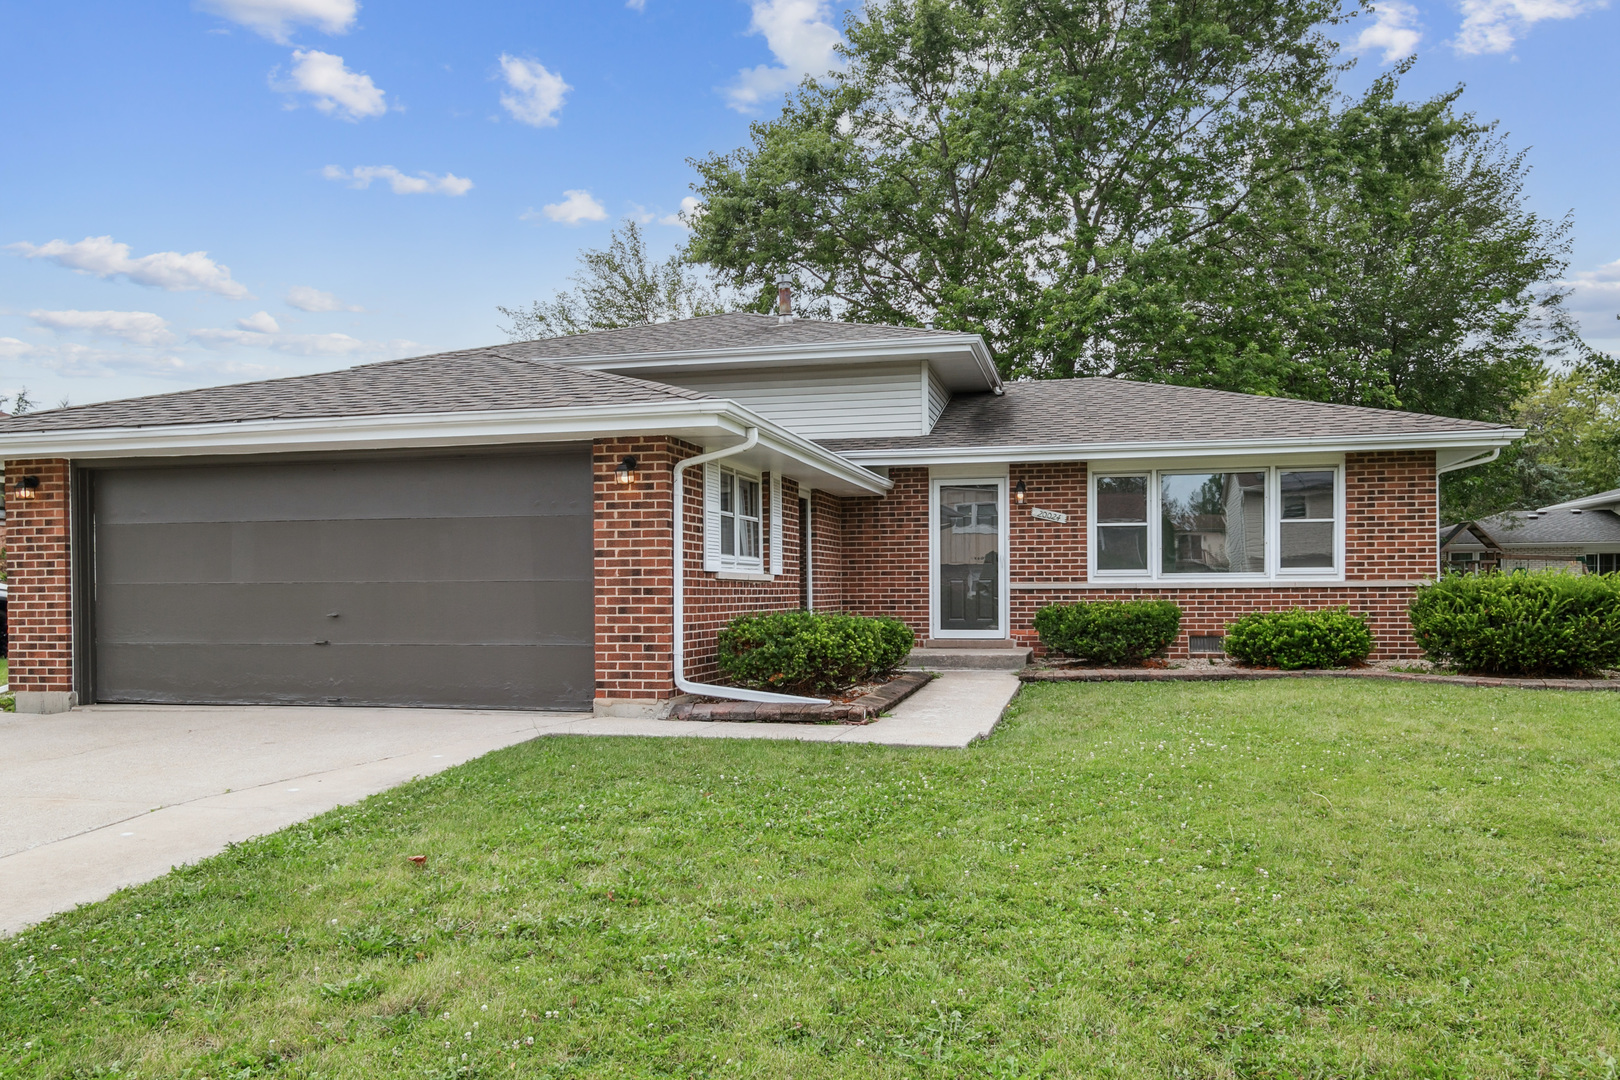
(197, 193)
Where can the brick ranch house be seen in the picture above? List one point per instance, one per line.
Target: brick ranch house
(497, 527)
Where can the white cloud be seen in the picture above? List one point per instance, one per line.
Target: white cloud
(1395, 30)
(103, 257)
(1492, 26)
(261, 322)
(577, 206)
(536, 94)
(135, 327)
(297, 344)
(305, 298)
(337, 91)
(273, 18)
(801, 36)
(421, 184)
(683, 218)
(11, 348)
(636, 5)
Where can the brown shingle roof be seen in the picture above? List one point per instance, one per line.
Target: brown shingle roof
(1099, 411)
(473, 381)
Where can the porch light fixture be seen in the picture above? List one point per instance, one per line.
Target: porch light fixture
(625, 474)
(1019, 491)
(27, 486)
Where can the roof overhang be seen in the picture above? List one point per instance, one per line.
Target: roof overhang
(961, 361)
(1453, 449)
(712, 424)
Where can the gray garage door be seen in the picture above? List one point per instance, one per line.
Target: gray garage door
(461, 582)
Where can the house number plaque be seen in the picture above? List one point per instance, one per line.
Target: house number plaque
(1048, 515)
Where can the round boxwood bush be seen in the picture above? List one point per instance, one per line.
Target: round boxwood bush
(1300, 638)
(1543, 623)
(810, 652)
(1109, 631)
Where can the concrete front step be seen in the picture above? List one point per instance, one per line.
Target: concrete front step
(954, 659)
(971, 643)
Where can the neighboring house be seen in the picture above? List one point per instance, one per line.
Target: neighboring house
(499, 527)
(1582, 535)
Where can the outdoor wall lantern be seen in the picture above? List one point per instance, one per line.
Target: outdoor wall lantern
(27, 486)
(625, 474)
(1019, 491)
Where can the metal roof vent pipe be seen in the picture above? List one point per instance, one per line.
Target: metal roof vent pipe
(784, 298)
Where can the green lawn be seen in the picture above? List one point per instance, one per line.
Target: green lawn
(1290, 879)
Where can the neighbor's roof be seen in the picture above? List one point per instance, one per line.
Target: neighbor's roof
(479, 380)
(1544, 528)
(1106, 411)
(1609, 499)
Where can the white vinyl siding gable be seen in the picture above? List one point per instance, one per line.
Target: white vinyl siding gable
(825, 402)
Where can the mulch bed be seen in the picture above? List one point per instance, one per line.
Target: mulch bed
(1227, 673)
(862, 709)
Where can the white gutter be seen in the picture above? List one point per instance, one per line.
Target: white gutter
(679, 532)
(973, 455)
(695, 419)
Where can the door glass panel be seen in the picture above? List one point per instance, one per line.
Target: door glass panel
(969, 558)
(1213, 523)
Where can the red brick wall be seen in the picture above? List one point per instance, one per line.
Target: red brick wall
(634, 571)
(885, 565)
(1208, 610)
(1046, 550)
(634, 568)
(711, 602)
(39, 612)
(826, 552)
(1391, 506)
(1391, 503)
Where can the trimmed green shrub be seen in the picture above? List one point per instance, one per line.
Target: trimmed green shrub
(1110, 631)
(809, 652)
(1543, 623)
(1300, 638)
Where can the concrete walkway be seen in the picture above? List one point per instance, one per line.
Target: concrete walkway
(107, 796)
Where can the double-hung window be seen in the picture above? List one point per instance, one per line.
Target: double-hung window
(1252, 523)
(733, 530)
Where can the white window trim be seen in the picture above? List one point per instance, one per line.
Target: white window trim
(735, 567)
(950, 478)
(1274, 572)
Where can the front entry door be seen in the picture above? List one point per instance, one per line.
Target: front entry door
(969, 559)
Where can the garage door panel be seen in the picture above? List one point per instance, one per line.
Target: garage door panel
(434, 549)
(462, 581)
(469, 676)
(463, 613)
(524, 485)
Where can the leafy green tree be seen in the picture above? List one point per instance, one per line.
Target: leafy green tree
(1571, 448)
(1151, 190)
(620, 285)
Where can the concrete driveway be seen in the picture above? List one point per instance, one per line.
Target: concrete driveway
(107, 796)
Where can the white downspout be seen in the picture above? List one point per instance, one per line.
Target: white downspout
(681, 681)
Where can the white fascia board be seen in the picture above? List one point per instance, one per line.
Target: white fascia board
(917, 348)
(1471, 441)
(718, 422)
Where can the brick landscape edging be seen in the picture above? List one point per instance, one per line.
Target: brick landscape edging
(1251, 675)
(864, 709)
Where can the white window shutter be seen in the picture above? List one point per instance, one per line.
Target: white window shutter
(711, 516)
(777, 531)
